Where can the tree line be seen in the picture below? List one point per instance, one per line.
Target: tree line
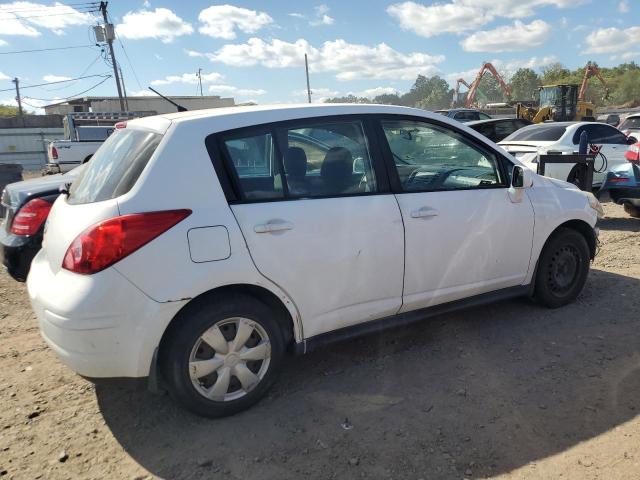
(434, 93)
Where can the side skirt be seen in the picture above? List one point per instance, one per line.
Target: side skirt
(407, 318)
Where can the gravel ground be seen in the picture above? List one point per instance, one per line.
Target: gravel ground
(510, 390)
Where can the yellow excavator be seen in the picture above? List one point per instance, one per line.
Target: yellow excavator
(564, 102)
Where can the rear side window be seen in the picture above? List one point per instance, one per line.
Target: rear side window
(115, 167)
(544, 133)
(600, 134)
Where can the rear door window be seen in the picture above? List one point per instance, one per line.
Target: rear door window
(115, 167)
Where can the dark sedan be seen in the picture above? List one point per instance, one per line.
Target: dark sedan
(498, 129)
(25, 208)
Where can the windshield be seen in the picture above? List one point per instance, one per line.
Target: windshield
(115, 167)
(546, 133)
(633, 122)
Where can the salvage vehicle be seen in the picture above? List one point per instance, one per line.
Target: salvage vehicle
(623, 182)
(631, 125)
(284, 229)
(464, 114)
(25, 208)
(564, 138)
(498, 129)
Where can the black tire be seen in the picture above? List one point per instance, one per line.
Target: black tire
(193, 321)
(632, 210)
(563, 267)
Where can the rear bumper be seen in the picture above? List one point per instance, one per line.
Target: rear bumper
(17, 252)
(99, 325)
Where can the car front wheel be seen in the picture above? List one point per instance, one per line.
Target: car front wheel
(222, 356)
(562, 268)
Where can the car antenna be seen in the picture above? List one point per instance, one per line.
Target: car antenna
(179, 107)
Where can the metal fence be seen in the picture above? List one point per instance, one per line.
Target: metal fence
(27, 146)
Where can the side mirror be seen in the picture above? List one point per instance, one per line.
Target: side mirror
(521, 177)
(631, 140)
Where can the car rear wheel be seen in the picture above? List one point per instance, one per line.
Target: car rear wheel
(223, 356)
(632, 210)
(562, 268)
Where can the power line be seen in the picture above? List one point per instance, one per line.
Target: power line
(74, 95)
(80, 75)
(58, 81)
(47, 49)
(20, 17)
(74, 5)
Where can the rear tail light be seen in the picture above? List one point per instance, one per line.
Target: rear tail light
(633, 153)
(30, 218)
(54, 153)
(108, 242)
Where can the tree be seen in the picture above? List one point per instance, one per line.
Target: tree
(348, 99)
(489, 90)
(388, 99)
(628, 89)
(555, 73)
(8, 110)
(524, 84)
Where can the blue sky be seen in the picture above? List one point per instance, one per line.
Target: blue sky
(254, 50)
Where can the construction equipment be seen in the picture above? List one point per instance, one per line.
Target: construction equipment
(456, 91)
(473, 90)
(564, 102)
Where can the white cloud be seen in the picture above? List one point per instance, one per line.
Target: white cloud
(316, 93)
(160, 23)
(24, 18)
(428, 21)
(609, 40)
(4, 77)
(3, 43)
(231, 90)
(349, 61)
(142, 93)
(55, 78)
(374, 92)
(221, 21)
(625, 57)
(508, 38)
(623, 7)
(190, 78)
(460, 16)
(296, 15)
(321, 16)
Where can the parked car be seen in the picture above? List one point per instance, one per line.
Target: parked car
(563, 138)
(285, 228)
(612, 119)
(631, 125)
(25, 208)
(623, 182)
(464, 114)
(498, 129)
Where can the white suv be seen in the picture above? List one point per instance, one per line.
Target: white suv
(197, 248)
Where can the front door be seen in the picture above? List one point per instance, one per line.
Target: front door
(317, 221)
(464, 234)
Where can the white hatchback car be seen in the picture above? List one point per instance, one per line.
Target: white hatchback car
(197, 248)
(564, 138)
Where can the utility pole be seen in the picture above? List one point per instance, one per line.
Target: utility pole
(306, 67)
(18, 99)
(124, 89)
(109, 34)
(199, 74)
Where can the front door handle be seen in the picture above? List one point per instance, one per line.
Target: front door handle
(273, 226)
(424, 212)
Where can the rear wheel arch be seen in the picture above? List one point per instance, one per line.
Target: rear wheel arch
(261, 294)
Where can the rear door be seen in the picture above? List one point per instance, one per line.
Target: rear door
(312, 201)
(463, 233)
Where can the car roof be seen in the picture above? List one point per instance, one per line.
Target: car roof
(258, 114)
(491, 120)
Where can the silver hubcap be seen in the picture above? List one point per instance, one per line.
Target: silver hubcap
(229, 359)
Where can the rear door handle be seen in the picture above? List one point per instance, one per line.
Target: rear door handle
(273, 226)
(424, 212)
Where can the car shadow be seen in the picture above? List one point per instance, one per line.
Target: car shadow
(475, 393)
(624, 224)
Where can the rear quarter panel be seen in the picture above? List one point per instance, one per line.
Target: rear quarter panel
(181, 175)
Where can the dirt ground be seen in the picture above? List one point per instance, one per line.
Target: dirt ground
(509, 391)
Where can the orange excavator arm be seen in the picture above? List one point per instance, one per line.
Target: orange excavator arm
(471, 95)
(591, 70)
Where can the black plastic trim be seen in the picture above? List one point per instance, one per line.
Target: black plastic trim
(402, 319)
